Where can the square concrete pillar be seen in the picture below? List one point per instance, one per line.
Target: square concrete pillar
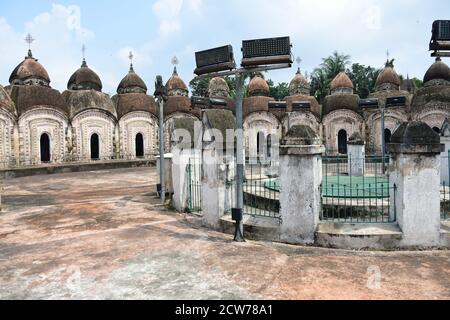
(356, 155)
(213, 189)
(215, 164)
(168, 171)
(185, 156)
(182, 159)
(415, 172)
(300, 179)
(445, 159)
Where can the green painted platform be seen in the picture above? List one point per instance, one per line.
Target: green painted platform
(348, 187)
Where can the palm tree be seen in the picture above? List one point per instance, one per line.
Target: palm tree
(335, 63)
(326, 72)
(320, 84)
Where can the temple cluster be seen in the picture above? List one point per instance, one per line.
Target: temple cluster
(40, 124)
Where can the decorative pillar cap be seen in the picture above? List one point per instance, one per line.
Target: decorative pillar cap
(301, 140)
(219, 120)
(356, 139)
(415, 137)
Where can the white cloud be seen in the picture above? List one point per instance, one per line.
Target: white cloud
(195, 5)
(59, 35)
(169, 13)
(372, 18)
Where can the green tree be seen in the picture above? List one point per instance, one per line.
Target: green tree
(199, 88)
(418, 82)
(363, 78)
(320, 84)
(323, 75)
(335, 63)
(279, 91)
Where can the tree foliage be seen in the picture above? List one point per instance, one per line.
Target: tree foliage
(279, 91)
(199, 88)
(323, 75)
(363, 78)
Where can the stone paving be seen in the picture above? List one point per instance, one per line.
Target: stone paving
(102, 235)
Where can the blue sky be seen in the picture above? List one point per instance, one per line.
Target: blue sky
(158, 30)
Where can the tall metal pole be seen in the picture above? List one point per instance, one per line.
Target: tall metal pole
(161, 150)
(239, 154)
(383, 139)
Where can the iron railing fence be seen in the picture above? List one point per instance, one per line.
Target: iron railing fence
(194, 183)
(445, 186)
(340, 165)
(261, 189)
(260, 199)
(445, 201)
(356, 190)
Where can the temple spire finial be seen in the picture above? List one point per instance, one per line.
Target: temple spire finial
(299, 61)
(29, 39)
(131, 56)
(175, 62)
(83, 50)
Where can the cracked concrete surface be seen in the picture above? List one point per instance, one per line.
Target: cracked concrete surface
(101, 235)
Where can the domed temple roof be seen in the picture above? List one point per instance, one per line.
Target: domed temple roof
(81, 100)
(29, 72)
(341, 84)
(388, 85)
(219, 88)
(315, 106)
(299, 85)
(176, 86)
(438, 71)
(30, 97)
(388, 78)
(340, 101)
(84, 79)
(435, 92)
(131, 102)
(342, 96)
(132, 83)
(132, 96)
(258, 87)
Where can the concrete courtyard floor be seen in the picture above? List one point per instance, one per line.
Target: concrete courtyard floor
(101, 235)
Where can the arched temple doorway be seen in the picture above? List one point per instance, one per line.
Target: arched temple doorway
(342, 141)
(139, 145)
(95, 152)
(269, 146)
(260, 144)
(45, 148)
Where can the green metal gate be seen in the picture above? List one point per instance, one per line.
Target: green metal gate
(194, 178)
(366, 198)
(445, 189)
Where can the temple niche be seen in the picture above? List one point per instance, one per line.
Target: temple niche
(261, 126)
(341, 115)
(138, 117)
(300, 92)
(178, 105)
(431, 103)
(387, 85)
(93, 116)
(42, 115)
